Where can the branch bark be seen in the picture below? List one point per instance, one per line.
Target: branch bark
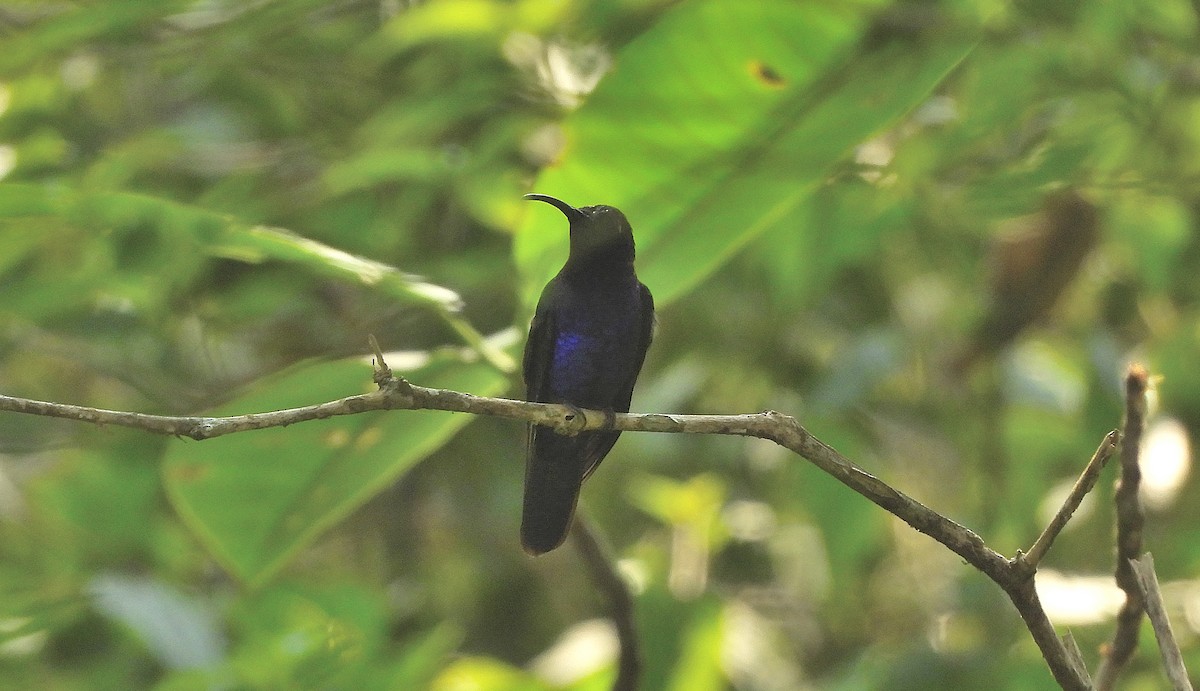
(1085, 483)
(1130, 520)
(1147, 580)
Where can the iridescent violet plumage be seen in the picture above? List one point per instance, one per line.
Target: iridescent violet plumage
(586, 346)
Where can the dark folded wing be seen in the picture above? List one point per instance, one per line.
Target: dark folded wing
(603, 442)
(539, 354)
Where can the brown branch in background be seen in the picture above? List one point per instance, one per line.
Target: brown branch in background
(1147, 580)
(608, 581)
(1130, 519)
(1085, 483)
(1033, 261)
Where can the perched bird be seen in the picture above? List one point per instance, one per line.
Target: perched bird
(586, 346)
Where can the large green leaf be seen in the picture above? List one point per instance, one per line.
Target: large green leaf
(256, 498)
(223, 235)
(217, 234)
(717, 124)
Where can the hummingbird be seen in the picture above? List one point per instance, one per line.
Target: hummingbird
(587, 342)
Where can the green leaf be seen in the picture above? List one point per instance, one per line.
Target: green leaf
(75, 25)
(420, 660)
(699, 666)
(19, 201)
(219, 235)
(485, 674)
(180, 630)
(255, 499)
(222, 235)
(717, 124)
(260, 242)
(1157, 232)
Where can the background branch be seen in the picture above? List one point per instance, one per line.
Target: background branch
(1147, 580)
(608, 581)
(1130, 519)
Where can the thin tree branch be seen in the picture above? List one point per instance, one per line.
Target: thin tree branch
(1075, 656)
(1065, 664)
(1085, 483)
(1062, 655)
(1015, 576)
(1130, 520)
(1147, 580)
(620, 601)
(397, 394)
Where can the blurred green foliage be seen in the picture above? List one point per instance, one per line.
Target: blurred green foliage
(206, 206)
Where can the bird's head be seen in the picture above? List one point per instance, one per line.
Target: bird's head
(599, 234)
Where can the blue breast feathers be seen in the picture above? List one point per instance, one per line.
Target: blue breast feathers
(568, 348)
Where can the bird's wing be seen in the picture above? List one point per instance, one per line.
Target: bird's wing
(553, 463)
(645, 335)
(600, 443)
(539, 354)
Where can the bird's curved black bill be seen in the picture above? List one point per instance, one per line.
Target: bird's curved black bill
(569, 211)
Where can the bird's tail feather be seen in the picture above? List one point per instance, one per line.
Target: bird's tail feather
(554, 469)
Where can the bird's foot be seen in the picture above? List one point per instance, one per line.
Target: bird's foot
(573, 422)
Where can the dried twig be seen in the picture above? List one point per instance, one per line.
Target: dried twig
(1085, 483)
(1130, 519)
(1075, 655)
(1147, 580)
(1065, 664)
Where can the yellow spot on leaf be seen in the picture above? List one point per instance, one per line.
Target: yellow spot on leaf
(369, 437)
(337, 438)
(767, 75)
